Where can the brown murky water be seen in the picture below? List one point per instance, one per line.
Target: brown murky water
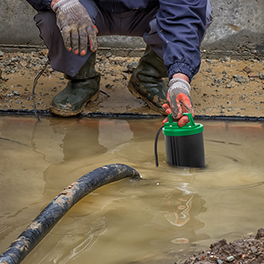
(163, 218)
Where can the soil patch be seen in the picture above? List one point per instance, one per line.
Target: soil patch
(222, 87)
(241, 251)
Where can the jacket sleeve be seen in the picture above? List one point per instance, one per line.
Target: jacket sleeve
(40, 5)
(181, 25)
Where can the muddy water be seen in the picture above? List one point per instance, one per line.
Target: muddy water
(162, 218)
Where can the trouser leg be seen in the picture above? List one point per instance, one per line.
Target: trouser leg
(60, 59)
(148, 75)
(129, 23)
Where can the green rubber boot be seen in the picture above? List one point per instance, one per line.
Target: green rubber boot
(81, 89)
(146, 80)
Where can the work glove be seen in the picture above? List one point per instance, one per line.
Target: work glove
(76, 26)
(179, 99)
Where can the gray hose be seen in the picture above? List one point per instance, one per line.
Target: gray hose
(59, 206)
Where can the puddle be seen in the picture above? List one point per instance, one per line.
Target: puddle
(163, 218)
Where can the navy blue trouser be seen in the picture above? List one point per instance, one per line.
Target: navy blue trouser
(129, 23)
(134, 22)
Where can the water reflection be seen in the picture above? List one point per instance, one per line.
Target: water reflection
(113, 134)
(163, 218)
(178, 212)
(74, 240)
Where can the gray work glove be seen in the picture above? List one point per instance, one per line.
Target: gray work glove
(76, 26)
(179, 99)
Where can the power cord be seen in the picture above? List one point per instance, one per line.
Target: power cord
(156, 145)
(34, 87)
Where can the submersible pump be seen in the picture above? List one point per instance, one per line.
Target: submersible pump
(184, 145)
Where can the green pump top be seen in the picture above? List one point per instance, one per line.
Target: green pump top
(172, 129)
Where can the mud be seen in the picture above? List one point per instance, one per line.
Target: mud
(223, 86)
(241, 251)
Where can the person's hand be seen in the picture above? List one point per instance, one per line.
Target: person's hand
(179, 99)
(76, 26)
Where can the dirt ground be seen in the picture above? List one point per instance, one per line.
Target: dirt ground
(223, 87)
(241, 251)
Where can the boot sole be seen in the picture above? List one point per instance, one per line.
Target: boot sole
(149, 103)
(66, 113)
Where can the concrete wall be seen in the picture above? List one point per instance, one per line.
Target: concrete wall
(237, 29)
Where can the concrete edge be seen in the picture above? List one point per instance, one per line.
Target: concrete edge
(122, 52)
(22, 112)
(137, 52)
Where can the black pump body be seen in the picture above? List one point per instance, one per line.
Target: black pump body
(184, 145)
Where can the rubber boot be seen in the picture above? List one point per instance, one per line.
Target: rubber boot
(81, 89)
(146, 80)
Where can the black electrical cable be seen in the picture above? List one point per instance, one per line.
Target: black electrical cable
(105, 93)
(156, 145)
(34, 86)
